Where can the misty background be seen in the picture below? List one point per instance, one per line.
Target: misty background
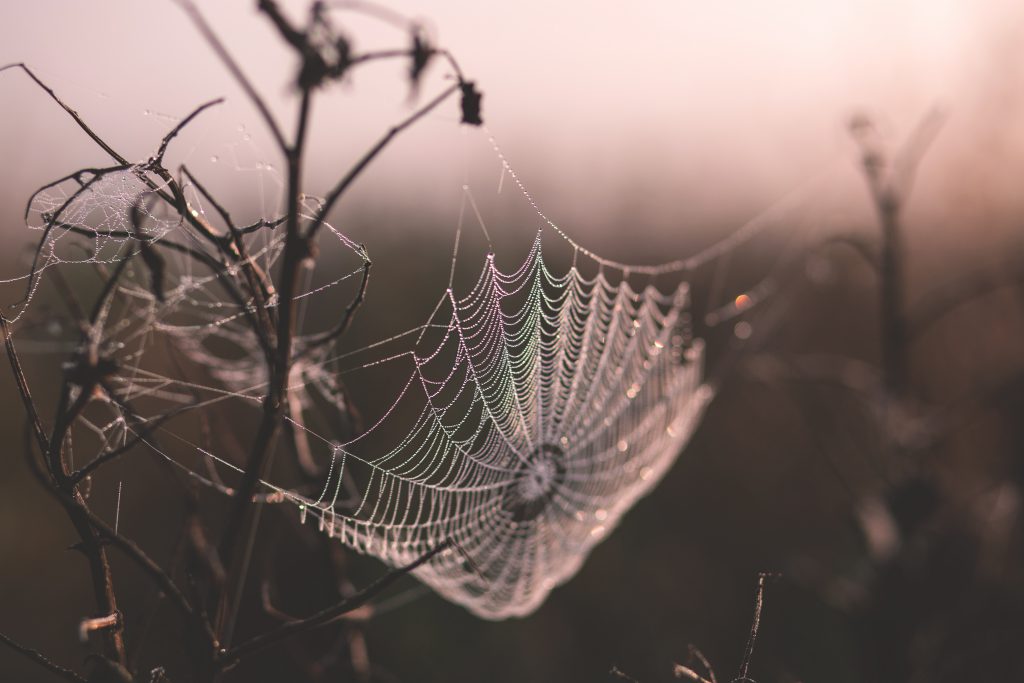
(647, 130)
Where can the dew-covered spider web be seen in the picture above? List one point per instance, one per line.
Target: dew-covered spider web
(531, 409)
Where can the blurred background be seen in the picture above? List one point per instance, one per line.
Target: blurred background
(648, 131)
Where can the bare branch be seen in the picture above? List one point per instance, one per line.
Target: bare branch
(41, 659)
(755, 625)
(335, 194)
(236, 71)
(71, 112)
(338, 330)
(329, 614)
(158, 158)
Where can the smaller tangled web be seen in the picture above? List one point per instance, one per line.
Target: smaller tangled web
(546, 407)
(534, 410)
(102, 204)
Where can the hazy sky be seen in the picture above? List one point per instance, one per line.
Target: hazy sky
(668, 111)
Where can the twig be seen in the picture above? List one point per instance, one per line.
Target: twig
(157, 160)
(335, 194)
(87, 626)
(26, 395)
(139, 438)
(236, 71)
(695, 653)
(755, 625)
(680, 671)
(149, 567)
(329, 614)
(72, 502)
(621, 675)
(256, 279)
(71, 112)
(41, 659)
(338, 330)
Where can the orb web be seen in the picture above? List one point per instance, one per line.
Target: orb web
(533, 408)
(548, 404)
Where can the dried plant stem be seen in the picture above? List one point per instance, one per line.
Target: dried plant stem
(41, 659)
(329, 614)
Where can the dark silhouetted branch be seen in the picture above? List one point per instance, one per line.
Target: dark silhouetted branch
(41, 659)
(329, 614)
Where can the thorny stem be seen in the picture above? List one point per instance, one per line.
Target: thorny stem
(72, 502)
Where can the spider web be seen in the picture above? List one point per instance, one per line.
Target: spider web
(549, 404)
(536, 408)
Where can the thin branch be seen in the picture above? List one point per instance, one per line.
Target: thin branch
(335, 194)
(41, 659)
(71, 112)
(139, 438)
(236, 71)
(621, 675)
(329, 614)
(158, 158)
(216, 268)
(153, 570)
(685, 672)
(53, 220)
(259, 285)
(88, 626)
(338, 330)
(695, 653)
(755, 625)
(26, 395)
